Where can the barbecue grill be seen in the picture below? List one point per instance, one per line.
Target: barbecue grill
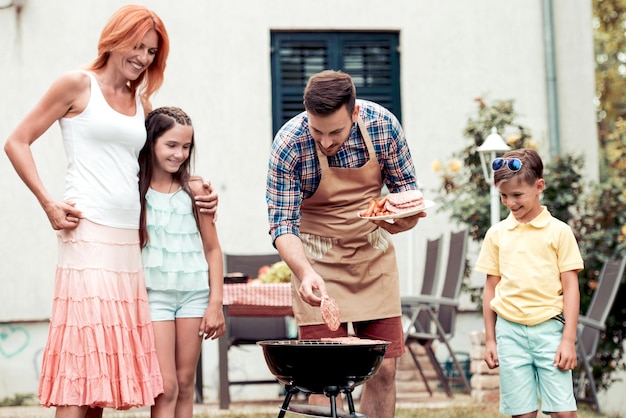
(328, 367)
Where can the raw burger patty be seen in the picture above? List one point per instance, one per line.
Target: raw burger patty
(404, 201)
(330, 313)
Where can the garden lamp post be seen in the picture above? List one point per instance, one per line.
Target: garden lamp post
(490, 149)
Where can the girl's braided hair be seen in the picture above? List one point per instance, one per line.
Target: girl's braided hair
(175, 113)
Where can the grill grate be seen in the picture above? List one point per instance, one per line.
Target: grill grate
(304, 342)
(346, 341)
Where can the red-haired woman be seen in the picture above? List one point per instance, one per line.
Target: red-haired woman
(100, 351)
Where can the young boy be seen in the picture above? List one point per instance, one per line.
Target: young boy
(531, 298)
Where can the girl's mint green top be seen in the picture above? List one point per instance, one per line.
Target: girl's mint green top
(174, 256)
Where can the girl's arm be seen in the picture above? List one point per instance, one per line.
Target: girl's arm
(566, 358)
(213, 324)
(67, 96)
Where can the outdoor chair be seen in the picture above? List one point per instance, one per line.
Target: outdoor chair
(592, 324)
(429, 280)
(431, 265)
(246, 330)
(242, 330)
(441, 313)
(249, 330)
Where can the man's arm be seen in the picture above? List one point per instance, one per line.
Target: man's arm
(283, 196)
(398, 172)
(292, 252)
(398, 167)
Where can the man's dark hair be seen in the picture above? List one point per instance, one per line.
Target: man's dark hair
(328, 91)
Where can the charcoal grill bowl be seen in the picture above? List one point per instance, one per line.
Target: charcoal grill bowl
(312, 366)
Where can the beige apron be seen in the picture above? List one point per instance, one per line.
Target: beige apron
(355, 258)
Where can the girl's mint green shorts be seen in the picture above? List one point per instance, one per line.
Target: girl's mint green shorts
(527, 371)
(167, 305)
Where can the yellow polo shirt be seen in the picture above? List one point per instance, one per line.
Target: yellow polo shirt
(529, 259)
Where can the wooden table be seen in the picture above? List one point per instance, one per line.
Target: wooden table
(249, 300)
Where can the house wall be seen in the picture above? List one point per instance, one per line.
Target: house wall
(21, 348)
(219, 72)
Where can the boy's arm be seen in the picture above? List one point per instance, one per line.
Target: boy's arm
(565, 358)
(489, 291)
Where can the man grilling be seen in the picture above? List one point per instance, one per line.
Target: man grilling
(326, 165)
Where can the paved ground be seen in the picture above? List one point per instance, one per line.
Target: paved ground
(270, 405)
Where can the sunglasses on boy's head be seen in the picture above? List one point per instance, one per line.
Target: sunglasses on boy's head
(514, 164)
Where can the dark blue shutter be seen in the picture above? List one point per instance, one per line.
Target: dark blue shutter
(371, 58)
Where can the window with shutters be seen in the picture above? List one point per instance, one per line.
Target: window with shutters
(371, 58)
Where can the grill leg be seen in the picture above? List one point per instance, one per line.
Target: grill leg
(291, 390)
(333, 406)
(332, 392)
(348, 393)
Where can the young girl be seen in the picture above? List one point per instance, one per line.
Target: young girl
(177, 244)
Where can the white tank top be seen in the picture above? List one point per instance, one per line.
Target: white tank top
(102, 146)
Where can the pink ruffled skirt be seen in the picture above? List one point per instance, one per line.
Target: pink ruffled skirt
(100, 349)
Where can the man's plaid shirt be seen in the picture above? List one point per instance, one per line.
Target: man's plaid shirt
(294, 171)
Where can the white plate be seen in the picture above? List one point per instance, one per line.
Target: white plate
(427, 204)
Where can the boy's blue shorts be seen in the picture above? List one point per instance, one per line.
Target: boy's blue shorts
(526, 355)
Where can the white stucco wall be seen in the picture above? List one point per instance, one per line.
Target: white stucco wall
(21, 348)
(219, 72)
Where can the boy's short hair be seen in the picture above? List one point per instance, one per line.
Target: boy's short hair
(531, 170)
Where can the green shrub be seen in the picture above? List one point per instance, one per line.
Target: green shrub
(19, 399)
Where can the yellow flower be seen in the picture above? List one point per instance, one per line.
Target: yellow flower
(513, 139)
(455, 165)
(436, 166)
(624, 230)
(532, 145)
